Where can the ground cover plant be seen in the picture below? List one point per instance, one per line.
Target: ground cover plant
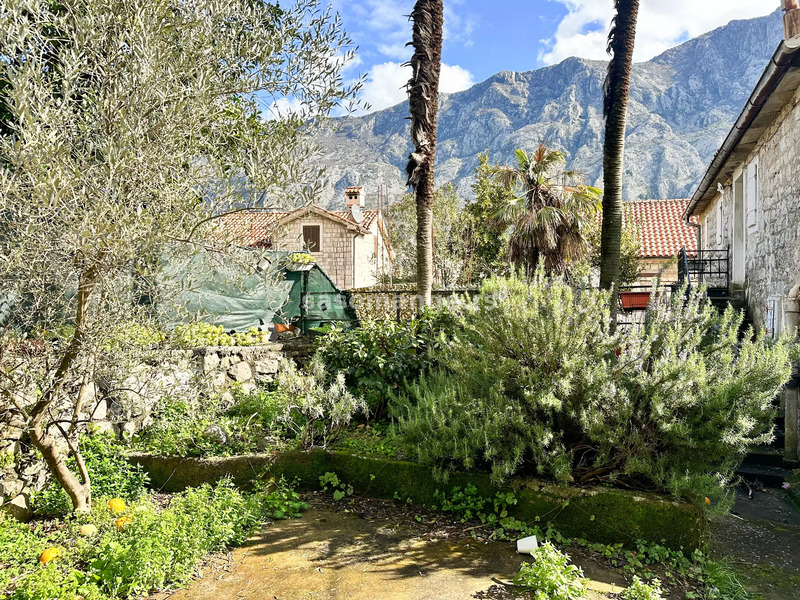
(122, 550)
(536, 379)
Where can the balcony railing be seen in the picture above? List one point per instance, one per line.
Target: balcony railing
(710, 268)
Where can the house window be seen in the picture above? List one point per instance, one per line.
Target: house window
(752, 195)
(312, 237)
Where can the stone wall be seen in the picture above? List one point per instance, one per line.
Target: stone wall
(772, 253)
(125, 407)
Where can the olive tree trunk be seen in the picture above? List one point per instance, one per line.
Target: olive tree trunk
(423, 99)
(615, 109)
(78, 490)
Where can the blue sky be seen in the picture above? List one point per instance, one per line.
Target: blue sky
(483, 37)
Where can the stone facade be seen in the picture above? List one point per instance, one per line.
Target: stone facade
(125, 407)
(352, 256)
(765, 256)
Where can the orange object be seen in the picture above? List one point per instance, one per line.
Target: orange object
(123, 522)
(634, 300)
(49, 554)
(116, 505)
(281, 328)
(708, 500)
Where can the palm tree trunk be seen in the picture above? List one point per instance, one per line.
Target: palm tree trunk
(615, 109)
(423, 99)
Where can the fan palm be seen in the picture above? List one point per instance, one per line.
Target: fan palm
(423, 100)
(621, 42)
(550, 215)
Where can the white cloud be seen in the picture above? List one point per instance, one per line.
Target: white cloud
(386, 84)
(662, 25)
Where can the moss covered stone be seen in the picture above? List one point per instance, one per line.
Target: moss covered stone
(601, 515)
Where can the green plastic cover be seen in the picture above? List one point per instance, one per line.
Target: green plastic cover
(236, 291)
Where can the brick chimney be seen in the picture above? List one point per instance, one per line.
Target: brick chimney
(354, 196)
(791, 19)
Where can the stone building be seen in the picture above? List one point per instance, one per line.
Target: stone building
(351, 245)
(748, 201)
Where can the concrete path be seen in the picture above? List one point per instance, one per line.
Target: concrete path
(330, 555)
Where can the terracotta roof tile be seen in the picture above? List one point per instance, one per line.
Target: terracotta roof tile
(662, 227)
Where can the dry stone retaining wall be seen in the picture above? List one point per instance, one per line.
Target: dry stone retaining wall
(124, 408)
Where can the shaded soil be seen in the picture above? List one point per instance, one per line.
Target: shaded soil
(761, 540)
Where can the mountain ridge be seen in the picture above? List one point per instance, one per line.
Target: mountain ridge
(683, 102)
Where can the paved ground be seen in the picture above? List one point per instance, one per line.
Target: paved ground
(761, 539)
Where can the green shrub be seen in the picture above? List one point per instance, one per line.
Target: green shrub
(379, 357)
(110, 473)
(179, 425)
(550, 576)
(536, 376)
(316, 412)
(199, 335)
(639, 590)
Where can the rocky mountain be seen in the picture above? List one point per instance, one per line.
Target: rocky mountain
(683, 103)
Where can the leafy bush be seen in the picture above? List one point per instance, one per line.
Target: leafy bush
(536, 376)
(180, 426)
(110, 473)
(317, 413)
(550, 576)
(380, 357)
(199, 335)
(639, 590)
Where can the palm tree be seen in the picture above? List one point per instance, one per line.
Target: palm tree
(423, 100)
(551, 214)
(621, 41)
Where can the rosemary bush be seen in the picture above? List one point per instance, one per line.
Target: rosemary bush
(537, 378)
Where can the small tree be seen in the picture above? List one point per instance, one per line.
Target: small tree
(132, 122)
(486, 237)
(550, 214)
(449, 243)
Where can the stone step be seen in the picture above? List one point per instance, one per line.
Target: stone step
(772, 477)
(767, 456)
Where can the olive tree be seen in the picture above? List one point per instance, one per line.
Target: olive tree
(128, 125)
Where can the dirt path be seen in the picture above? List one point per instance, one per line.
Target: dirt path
(330, 555)
(364, 549)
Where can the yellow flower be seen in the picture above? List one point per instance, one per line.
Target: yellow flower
(49, 554)
(123, 522)
(708, 500)
(116, 505)
(88, 530)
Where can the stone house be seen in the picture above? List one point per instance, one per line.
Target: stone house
(748, 201)
(351, 246)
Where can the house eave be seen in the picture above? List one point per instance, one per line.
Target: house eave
(774, 90)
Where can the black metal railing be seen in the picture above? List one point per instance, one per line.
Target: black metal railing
(710, 268)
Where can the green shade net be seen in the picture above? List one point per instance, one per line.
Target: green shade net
(237, 291)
